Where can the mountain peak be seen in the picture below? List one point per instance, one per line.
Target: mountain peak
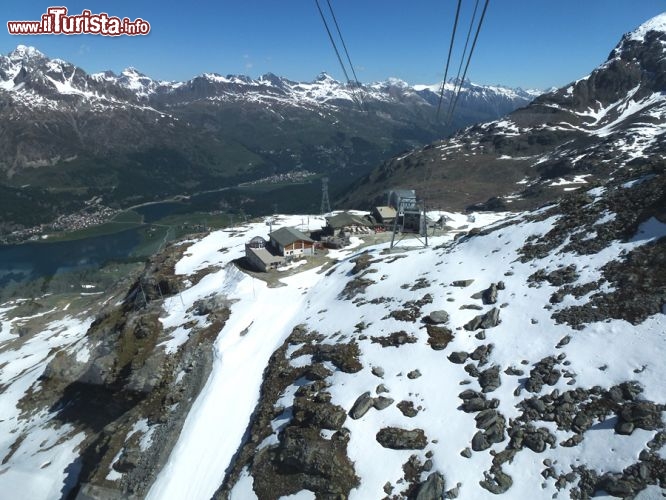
(657, 23)
(396, 82)
(270, 77)
(325, 77)
(132, 71)
(25, 52)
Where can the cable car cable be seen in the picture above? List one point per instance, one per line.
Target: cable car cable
(462, 59)
(337, 52)
(471, 52)
(344, 45)
(448, 59)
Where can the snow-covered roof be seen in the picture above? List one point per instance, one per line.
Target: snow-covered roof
(345, 219)
(386, 212)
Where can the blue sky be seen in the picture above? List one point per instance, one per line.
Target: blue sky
(528, 43)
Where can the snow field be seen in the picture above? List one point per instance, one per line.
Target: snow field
(37, 466)
(526, 332)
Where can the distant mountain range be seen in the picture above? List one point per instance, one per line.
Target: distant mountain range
(69, 135)
(583, 133)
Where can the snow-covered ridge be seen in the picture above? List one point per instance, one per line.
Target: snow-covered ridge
(269, 87)
(657, 23)
(25, 52)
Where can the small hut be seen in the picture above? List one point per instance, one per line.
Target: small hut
(384, 215)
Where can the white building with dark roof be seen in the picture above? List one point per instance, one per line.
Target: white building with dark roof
(288, 242)
(260, 257)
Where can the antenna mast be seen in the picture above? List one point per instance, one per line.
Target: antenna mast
(325, 203)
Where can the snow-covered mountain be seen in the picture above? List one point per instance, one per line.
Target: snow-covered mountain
(29, 74)
(583, 132)
(129, 137)
(518, 353)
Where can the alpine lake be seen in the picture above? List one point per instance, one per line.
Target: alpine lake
(91, 260)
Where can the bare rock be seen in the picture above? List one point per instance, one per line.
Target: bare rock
(396, 438)
(432, 488)
(361, 406)
(488, 320)
(437, 317)
(317, 412)
(458, 357)
(382, 402)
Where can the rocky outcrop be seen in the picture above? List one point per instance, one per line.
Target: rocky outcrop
(128, 378)
(302, 458)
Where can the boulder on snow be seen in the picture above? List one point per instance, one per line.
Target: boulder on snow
(489, 379)
(489, 295)
(458, 357)
(382, 402)
(485, 321)
(361, 406)
(496, 482)
(432, 488)
(396, 438)
(438, 337)
(437, 317)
